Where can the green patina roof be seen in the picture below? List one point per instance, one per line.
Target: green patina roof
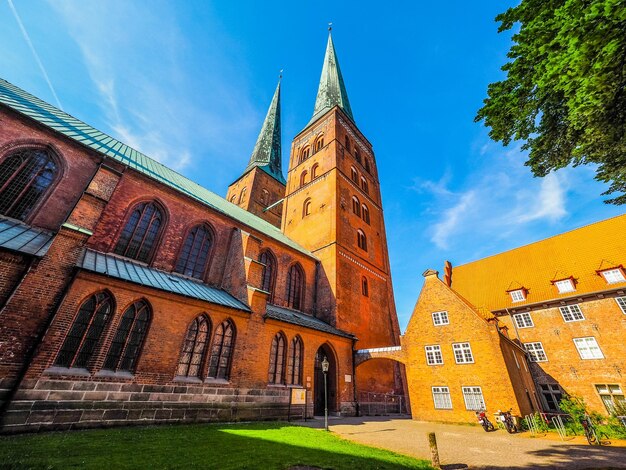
(267, 151)
(332, 90)
(46, 114)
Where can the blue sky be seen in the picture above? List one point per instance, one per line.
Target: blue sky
(189, 82)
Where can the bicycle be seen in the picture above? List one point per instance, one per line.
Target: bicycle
(590, 431)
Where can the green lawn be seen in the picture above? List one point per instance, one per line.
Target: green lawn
(219, 446)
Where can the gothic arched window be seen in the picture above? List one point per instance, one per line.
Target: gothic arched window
(233, 198)
(141, 232)
(194, 254)
(364, 185)
(356, 206)
(268, 275)
(314, 171)
(222, 351)
(357, 155)
(194, 348)
(25, 177)
(294, 370)
(364, 287)
(303, 178)
(365, 214)
(242, 195)
(295, 287)
(86, 331)
(361, 240)
(129, 338)
(306, 152)
(276, 374)
(354, 175)
(347, 143)
(306, 207)
(367, 166)
(319, 143)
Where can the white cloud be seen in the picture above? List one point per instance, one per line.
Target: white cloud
(153, 96)
(496, 200)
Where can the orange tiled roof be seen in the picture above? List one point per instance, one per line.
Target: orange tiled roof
(578, 253)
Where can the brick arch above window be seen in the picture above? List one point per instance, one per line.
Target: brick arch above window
(319, 143)
(304, 154)
(303, 176)
(306, 207)
(142, 230)
(314, 170)
(361, 239)
(356, 206)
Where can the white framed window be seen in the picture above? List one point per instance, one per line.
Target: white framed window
(523, 320)
(536, 352)
(473, 397)
(588, 348)
(441, 398)
(572, 313)
(565, 285)
(613, 275)
(462, 353)
(621, 301)
(440, 318)
(611, 395)
(433, 355)
(518, 295)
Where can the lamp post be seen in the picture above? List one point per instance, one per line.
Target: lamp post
(325, 365)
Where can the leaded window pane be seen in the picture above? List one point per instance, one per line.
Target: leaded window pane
(140, 232)
(85, 332)
(195, 252)
(221, 352)
(190, 362)
(24, 178)
(128, 339)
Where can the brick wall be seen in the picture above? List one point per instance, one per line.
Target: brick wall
(603, 320)
(494, 372)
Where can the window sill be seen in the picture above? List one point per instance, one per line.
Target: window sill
(116, 374)
(212, 381)
(79, 371)
(182, 378)
(277, 385)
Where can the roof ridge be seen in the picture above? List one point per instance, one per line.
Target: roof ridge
(73, 128)
(539, 241)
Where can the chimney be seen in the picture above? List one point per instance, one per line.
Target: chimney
(447, 278)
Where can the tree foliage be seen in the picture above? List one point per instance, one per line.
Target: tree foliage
(564, 92)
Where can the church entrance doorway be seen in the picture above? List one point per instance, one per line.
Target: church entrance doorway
(318, 401)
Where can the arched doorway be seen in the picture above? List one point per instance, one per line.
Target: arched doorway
(318, 401)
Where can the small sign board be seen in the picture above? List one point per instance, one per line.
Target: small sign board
(298, 396)
(348, 378)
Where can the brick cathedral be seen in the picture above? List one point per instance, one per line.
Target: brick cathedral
(130, 294)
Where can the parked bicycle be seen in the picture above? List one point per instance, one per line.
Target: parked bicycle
(590, 430)
(481, 415)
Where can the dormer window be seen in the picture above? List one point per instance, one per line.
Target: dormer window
(565, 285)
(518, 295)
(613, 276)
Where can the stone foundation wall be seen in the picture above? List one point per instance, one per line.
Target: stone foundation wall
(47, 405)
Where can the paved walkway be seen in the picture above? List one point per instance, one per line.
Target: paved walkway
(471, 447)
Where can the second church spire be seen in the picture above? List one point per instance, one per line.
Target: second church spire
(332, 90)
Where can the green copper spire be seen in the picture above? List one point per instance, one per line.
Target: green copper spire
(332, 91)
(267, 151)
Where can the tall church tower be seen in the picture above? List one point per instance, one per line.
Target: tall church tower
(261, 187)
(333, 208)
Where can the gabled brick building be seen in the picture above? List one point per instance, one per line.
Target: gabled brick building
(130, 294)
(521, 329)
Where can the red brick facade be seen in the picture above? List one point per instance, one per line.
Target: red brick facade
(88, 206)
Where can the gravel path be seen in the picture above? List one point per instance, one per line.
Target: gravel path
(471, 447)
